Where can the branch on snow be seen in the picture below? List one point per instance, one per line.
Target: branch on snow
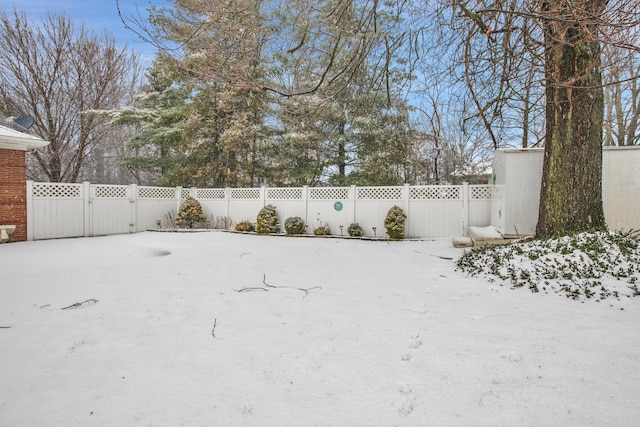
(268, 287)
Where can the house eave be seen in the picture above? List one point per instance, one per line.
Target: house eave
(13, 140)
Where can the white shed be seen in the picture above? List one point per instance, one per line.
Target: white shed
(517, 176)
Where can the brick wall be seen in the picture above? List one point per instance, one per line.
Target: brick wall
(13, 192)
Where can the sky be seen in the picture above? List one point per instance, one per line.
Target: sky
(199, 329)
(98, 15)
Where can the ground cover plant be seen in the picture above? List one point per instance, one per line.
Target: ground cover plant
(574, 266)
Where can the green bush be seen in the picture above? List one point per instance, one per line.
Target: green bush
(267, 221)
(323, 230)
(354, 230)
(294, 225)
(394, 222)
(189, 213)
(245, 226)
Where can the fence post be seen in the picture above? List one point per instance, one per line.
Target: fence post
(263, 195)
(29, 210)
(352, 196)
(133, 199)
(465, 207)
(86, 201)
(227, 197)
(305, 199)
(179, 197)
(406, 194)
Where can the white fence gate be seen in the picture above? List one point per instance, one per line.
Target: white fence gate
(57, 210)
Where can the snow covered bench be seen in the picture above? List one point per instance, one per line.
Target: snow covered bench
(5, 232)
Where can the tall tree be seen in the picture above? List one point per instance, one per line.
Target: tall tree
(56, 72)
(571, 195)
(572, 34)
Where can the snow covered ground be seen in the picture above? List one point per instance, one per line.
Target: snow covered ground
(390, 335)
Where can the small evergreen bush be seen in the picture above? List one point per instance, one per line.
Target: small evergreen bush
(189, 213)
(323, 230)
(394, 222)
(267, 221)
(245, 226)
(294, 225)
(354, 230)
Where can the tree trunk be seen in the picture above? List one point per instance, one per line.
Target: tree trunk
(571, 193)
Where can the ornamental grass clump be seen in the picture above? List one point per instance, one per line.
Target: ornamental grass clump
(323, 230)
(245, 226)
(394, 222)
(355, 230)
(267, 221)
(294, 225)
(190, 213)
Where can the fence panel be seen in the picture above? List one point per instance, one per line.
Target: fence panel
(329, 206)
(155, 205)
(436, 211)
(479, 205)
(57, 210)
(215, 204)
(111, 210)
(245, 203)
(372, 205)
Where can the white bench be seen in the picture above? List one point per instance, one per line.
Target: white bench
(5, 232)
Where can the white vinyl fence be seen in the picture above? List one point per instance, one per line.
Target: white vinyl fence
(56, 210)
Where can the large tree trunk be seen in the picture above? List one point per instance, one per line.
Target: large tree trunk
(571, 193)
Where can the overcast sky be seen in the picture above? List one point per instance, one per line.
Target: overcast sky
(99, 15)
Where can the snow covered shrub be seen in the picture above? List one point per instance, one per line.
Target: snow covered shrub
(323, 230)
(244, 226)
(354, 230)
(267, 221)
(394, 222)
(189, 213)
(294, 225)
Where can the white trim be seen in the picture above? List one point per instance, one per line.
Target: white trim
(13, 140)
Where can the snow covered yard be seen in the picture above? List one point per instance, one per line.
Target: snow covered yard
(391, 334)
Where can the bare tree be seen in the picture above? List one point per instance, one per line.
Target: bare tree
(57, 72)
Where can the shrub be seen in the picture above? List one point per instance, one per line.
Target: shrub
(354, 230)
(245, 226)
(394, 222)
(323, 230)
(294, 225)
(267, 221)
(189, 213)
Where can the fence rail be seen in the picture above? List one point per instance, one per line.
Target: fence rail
(56, 210)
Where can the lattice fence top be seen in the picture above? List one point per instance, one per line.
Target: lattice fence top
(284, 193)
(436, 192)
(482, 192)
(210, 193)
(329, 193)
(186, 192)
(379, 193)
(245, 193)
(56, 190)
(156, 193)
(111, 191)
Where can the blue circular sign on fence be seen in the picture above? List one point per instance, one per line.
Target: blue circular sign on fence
(337, 206)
